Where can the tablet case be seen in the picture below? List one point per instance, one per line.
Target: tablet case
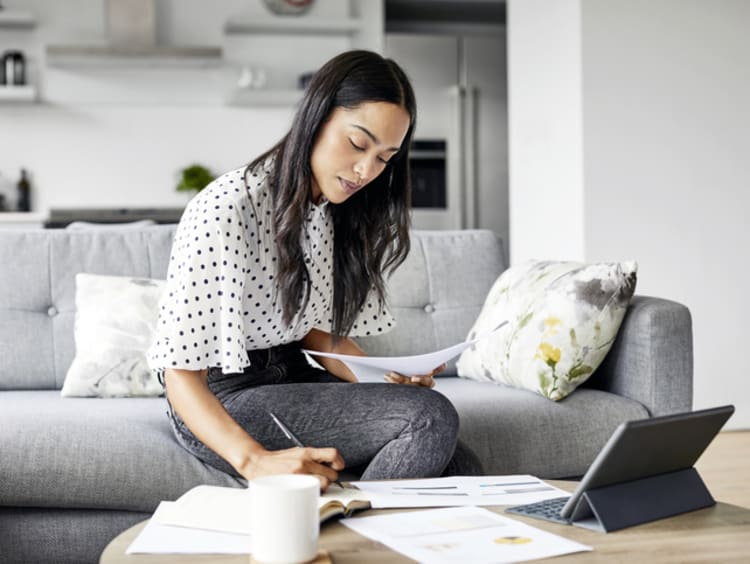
(625, 504)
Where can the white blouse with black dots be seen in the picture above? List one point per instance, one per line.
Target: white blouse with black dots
(220, 299)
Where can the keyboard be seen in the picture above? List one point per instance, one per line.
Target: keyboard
(549, 509)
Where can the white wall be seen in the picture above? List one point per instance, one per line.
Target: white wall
(127, 156)
(665, 124)
(667, 180)
(106, 137)
(545, 134)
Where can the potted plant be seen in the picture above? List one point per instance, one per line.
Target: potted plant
(194, 178)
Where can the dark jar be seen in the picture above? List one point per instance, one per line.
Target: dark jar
(24, 193)
(13, 69)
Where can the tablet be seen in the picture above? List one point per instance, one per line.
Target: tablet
(644, 472)
(647, 447)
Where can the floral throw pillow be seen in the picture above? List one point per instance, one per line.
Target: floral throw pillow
(115, 322)
(562, 320)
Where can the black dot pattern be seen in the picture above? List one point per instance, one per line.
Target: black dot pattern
(221, 299)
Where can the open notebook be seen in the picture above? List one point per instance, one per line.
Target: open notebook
(217, 508)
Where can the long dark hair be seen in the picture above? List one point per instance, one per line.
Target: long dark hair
(371, 228)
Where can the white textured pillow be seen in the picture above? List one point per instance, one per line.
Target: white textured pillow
(114, 326)
(562, 320)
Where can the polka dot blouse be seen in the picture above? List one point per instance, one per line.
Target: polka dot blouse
(221, 299)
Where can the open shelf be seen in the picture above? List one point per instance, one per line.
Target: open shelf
(14, 19)
(292, 25)
(244, 97)
(109, 56)
(17, 94)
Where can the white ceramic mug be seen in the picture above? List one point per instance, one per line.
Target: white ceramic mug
(284, 522)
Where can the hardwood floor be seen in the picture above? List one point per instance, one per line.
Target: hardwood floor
(725, 467)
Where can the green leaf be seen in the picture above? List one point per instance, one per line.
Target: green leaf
(573, 338)
(525, 319)
(579, 371)
(195, 177)
(544, 383)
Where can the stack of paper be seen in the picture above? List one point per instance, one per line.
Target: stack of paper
(158, 538)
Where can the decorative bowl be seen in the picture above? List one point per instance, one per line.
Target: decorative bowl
(288, 7)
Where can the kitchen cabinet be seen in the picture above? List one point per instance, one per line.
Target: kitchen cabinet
(460, 84)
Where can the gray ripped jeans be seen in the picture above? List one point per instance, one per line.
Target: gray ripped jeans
(381, 430)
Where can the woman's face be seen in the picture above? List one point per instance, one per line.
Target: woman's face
(353, 147)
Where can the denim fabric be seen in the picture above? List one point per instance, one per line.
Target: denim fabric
(381, 430)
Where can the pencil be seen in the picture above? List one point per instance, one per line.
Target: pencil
(294, 439)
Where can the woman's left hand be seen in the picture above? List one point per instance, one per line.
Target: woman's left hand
(425, 380)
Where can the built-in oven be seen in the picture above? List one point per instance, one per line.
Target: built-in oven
(434, 170)
(428, 173)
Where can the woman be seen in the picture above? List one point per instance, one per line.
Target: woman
(289, 253)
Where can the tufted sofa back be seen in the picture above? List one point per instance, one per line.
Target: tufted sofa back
(435, 295)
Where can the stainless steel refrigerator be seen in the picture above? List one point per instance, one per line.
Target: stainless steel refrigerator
(460, 84)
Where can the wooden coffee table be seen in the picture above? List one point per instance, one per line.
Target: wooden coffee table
(716, 534)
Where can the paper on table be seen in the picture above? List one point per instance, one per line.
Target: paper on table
(157, 538)
(375, 366)
(213, 508)
(517, 489)
(462, 534)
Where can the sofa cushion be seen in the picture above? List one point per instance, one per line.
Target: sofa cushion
(115, 322)
(437, 293)
(120, 453)
(37, 292)
(562, 320)
(93, 453)
(516, 431)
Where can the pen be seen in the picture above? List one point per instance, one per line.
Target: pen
(428, 493)
(510, 484)
(425, 488)
(293, 438)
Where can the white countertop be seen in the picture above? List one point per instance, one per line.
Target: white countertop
(22, 217)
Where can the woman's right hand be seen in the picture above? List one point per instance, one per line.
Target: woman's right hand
(323, 463)
(209, 421)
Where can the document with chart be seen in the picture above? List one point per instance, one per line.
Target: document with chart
(462, 534)
(458, 491)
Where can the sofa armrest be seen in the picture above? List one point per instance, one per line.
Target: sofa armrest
(651, 361)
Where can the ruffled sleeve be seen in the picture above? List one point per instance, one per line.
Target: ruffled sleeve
(373, 319)
(200, 315)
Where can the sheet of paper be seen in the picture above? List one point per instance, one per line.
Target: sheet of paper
(365, 367)
(517, 489)
(156, 538)
(462, 534)
(213, 508)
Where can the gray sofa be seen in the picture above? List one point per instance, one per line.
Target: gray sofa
(75, 472)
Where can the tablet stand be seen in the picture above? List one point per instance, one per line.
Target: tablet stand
(631, 503)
